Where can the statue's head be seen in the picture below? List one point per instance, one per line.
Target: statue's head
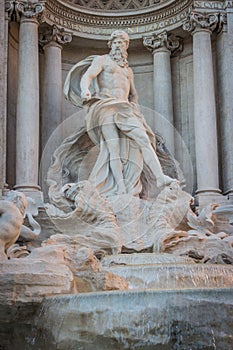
(119, 34)
(19, 200)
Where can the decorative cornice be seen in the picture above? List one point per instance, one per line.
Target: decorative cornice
(120, 20)
(100, 25)
(55, 35)
(200, 20)
(30, 9)
(212, 5)
(162, 40)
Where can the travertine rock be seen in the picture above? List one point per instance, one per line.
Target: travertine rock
(49, 254)
(204, 241)
(84, 265)
(114, 282)
(88, 281)
(31, 280)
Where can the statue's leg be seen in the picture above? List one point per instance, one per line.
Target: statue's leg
(149, 155)
(111, 137)
(152, 161)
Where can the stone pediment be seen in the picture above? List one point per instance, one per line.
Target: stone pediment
(98, 18)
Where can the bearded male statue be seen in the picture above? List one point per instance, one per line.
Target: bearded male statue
(105, 85)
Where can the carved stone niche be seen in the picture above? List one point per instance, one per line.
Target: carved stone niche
(97, 19)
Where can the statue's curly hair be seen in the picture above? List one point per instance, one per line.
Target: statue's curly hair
(118, 34)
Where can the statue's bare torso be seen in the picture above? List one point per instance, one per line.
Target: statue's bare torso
(113, 80)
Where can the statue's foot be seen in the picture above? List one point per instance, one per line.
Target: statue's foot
(165, 180)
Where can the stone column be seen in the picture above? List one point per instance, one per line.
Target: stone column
(202, 25)
(52, 41)
(7, 6)
(225, 95)
(27, 129)
(161, 46)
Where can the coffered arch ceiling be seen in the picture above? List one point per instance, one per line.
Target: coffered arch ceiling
(96, 19)
(119, 5)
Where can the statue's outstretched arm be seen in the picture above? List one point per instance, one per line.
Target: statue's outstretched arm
(92, 72)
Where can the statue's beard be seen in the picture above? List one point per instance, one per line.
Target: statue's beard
(119, 56)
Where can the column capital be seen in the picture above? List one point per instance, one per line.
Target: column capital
(163, 40)
(9, 9)
(201, 20)
(54, 36)
(222, 26)
(30, 9)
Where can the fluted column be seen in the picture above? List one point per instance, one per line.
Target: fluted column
(27, 129)
(6, 9)
(225, 95)
(202, 26)
(161, 46)
(52, 40)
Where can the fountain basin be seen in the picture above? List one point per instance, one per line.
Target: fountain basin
(179, 276)
(199, 319)
(167, 271)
